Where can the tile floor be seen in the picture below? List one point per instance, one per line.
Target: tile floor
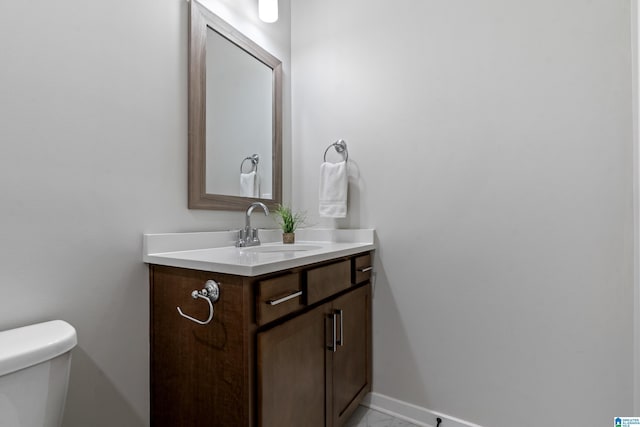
(365, 417)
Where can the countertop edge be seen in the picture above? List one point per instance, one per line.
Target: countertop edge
(156, 243)
(258, 269)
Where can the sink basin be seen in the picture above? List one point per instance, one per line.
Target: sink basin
(281, 248)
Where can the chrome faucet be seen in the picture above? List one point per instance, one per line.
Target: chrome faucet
(248, 236)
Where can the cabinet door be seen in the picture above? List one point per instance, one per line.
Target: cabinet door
(351, 362)
(291, 372)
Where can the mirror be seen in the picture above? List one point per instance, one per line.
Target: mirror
(235, 117)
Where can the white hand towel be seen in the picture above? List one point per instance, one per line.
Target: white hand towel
(256, 186)
(248, 184)
(333, 190)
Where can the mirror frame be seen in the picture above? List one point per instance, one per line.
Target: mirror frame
(201, 19)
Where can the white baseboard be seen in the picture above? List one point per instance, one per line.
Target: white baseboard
(411, 413)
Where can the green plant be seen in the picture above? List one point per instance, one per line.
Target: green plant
(288, 220)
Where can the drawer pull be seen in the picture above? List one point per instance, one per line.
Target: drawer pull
(334, 344)
(285, 298)
(365, 269)
(340, 342)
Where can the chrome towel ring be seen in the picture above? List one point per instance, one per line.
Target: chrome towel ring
(210, 293)
(341, 147)
(255, 159)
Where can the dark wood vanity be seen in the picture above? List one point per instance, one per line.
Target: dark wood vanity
(285, 349)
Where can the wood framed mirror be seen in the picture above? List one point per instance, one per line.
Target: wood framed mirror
(235, 117)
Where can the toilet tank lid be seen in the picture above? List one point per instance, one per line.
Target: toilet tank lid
(29, 345)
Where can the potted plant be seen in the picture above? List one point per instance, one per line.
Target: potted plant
(289, 221)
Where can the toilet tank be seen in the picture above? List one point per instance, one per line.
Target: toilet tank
(34, 373)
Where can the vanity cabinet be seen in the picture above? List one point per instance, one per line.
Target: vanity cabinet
(289, 348)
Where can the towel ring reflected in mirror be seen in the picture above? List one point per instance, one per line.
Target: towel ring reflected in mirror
(254, 159)
(341, 147)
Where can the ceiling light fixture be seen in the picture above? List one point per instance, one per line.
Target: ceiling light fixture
(268, 10)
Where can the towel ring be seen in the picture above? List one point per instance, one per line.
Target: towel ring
(341, 147)
(255, 159)
(210, 293)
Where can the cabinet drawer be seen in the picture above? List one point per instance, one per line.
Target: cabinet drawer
(362, 267)
(325, 281)
(277, 297)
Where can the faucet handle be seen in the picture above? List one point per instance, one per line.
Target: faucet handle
(247, 236)
(242, 238)
(253, 235)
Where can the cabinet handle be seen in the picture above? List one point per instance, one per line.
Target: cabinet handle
(285, 298)
(340, 342)
(365, 269)
(333, 347)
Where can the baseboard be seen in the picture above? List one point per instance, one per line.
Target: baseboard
(412, 413)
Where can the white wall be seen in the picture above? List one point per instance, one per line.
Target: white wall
(491, 147)
(93, 153)
(635, 13)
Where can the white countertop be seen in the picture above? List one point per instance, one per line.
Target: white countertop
(216, 251)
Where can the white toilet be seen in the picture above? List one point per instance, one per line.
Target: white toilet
(34, 373)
